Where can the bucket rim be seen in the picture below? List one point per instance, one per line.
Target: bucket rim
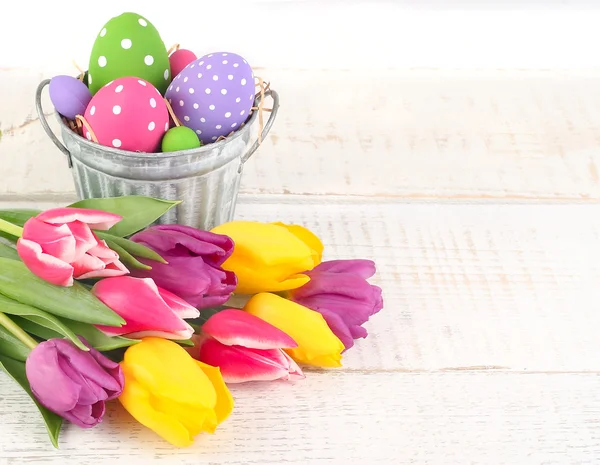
(145, 155)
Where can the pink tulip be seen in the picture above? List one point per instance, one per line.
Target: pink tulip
(58, 245)
(245, 348)
(147, 309)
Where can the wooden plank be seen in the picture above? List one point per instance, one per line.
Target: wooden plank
(350, 419)
(509, 286)
(410, 135)
(505, 286)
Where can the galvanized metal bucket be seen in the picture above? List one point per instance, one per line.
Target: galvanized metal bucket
(206, 179)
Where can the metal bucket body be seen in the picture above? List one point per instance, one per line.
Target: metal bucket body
(205, 179)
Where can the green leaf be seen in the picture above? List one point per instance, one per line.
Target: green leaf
(184, 342)
(137, 211)
(74, 302)
(11, 346)
(134, 248)
(18, 216)
(16, 370)
(96, 338)
(8, 237)
(128, 260)
(7, 251)
(40, 317)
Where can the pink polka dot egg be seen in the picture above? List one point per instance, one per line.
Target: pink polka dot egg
(128, 113)
(213, 95)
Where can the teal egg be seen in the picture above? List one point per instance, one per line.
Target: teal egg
(180, 138)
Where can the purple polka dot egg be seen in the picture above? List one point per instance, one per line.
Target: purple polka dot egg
(213, 95)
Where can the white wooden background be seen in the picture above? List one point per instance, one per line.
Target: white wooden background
(456, 144)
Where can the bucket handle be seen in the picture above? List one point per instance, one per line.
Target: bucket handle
(44, 122)
(275, 96)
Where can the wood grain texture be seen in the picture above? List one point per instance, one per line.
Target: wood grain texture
(408, 135)
(393, 418)
(510, 286)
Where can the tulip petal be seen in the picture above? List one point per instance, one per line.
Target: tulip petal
(193, 420)
(240, 364)
(91, 392)
(164, 366)
(87, 363)
(103, 251)
(181, 308)
(86, 265)
(137, 401)
(45, 266)
(86, 416)
(189, 241)
(224, 404)
(147, 313)
(317, 345)
(339, 327)
(96, 219)
(359, 267)
(266, 256)
(236, 327)
(54, 240)
(113, 369)
(100, 262)
(51, 386)
(190, 278)
(308, 237)
(85, 239)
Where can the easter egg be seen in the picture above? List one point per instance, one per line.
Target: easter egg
(69, 96)
(213, 95)
(180, 138)
(179, 59)
(129, 45)
(129, 114)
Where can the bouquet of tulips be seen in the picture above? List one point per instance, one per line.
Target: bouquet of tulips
(97, 302)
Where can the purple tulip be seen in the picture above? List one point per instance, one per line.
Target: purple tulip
(195, 257)
(338, 290)
(71, 382)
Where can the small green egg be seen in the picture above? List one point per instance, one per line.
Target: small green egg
(180, 138)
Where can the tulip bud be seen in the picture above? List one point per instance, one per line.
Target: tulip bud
(169, 392)
(71, 382)
(147, 309)
(194, 258)
(338, 290)
(245, 348)
(270, 257)
(317, 345)
(58, 245)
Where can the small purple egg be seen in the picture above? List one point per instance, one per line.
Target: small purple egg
(69, 96)
(213, 95)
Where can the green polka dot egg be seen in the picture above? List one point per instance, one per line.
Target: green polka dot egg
(129, 45)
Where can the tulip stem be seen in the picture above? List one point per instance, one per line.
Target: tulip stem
(10, 228)
(17, 331)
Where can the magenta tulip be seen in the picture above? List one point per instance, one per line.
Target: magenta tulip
(71, 382)
(245, 348)
(339, 290)
(194, 264)
(58, 245)
(147, 309)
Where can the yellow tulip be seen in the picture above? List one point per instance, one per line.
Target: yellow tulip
(270, 257)
(317, 345)
(169, 392)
